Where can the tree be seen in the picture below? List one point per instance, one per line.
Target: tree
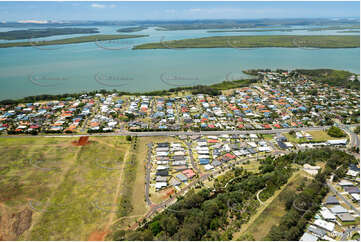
(155, 228)
(169, 223)
(129, 138)
(145, 235)
(335, 132)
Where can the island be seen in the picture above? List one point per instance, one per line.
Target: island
(259, 23)
(288, 41)
(74, 40)
(251, 30)
(131, 29)
(346, 29)
(349, 31)
(46, 32)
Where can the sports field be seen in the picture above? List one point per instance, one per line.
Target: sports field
(51, 189)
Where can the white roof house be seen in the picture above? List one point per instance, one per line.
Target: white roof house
(253, 136)
(324, 225)
(212, 137)
(337, 142)
(203, 156)
(327, 215)
(352, 173)
(162, 153)
(308, 237)
(179, 153)
(202, 143)
(338, 209)
(262, 143)
(343, 183)
(160, 185)
(208, 167)
(252, 144)
(356, 196)
(299, 135)
(162, 167)
(264, 149)
(204, 152)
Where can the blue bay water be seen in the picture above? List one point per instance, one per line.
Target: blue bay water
(26, 71)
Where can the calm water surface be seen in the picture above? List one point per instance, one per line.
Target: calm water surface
(26, 71)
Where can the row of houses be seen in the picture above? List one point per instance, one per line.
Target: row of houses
(324, 224)
(281, 101)
(213, 151)
(171, 162)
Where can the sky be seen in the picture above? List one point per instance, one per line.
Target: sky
(15, 11)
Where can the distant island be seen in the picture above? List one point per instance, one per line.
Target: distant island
(40, 33)
(259, 23)
(347, 29)
(251, 30)
(131, 29)
(287, 41)
(75, 40)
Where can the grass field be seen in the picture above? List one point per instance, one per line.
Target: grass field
(69, 189)
(317, 136)
(272, 214)
(288, 41)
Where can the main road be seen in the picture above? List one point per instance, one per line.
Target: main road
(170, 133)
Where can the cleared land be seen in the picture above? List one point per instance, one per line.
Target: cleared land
(289, 41)
(317, 136)
(66, 191)
(74, 40)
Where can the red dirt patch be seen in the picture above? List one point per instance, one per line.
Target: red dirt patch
(82, 141)
(98, 235)
(168, 192)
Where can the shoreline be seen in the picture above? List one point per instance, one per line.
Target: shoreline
(219, 86)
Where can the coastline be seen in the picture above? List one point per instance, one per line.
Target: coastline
(214, 89)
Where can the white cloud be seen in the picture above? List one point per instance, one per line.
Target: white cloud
(97, 5)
